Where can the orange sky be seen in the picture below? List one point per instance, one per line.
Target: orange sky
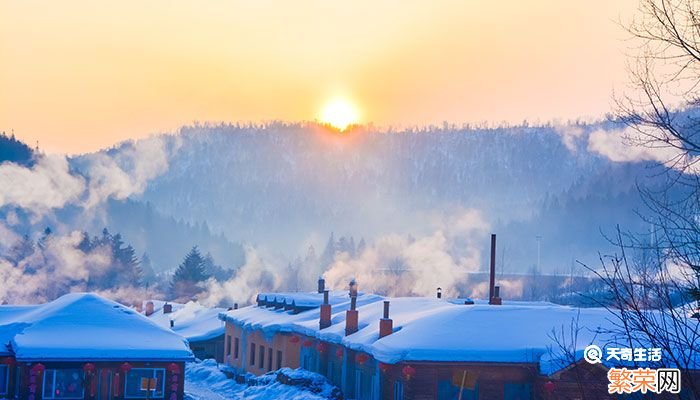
(81, 75)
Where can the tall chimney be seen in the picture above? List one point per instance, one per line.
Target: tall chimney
(321, 284)
(167, 308)
(496, 299)
(386, 324)
(325, 320)
(492, 275)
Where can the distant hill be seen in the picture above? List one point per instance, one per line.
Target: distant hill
(164, 238)
(285, 185)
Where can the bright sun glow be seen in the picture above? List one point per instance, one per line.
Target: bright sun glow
(339, 113)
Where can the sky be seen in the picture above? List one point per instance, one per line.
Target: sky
(79, 75)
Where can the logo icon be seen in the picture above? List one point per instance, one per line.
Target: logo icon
(593, 354)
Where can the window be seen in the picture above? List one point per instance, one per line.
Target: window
(228, 345)
(236, 343)
(269, 358)
(359, 381)
(279, 359)
(63, 384)
(519, 391)
(4, 378)
(252, 354)
(398, 390)
(132, 387)
(261, 359)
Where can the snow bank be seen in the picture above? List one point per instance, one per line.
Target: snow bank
(204, 381)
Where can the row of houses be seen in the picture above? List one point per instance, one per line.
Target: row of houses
(375, 347)
(83, 346)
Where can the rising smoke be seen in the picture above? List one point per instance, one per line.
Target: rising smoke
(58, 265)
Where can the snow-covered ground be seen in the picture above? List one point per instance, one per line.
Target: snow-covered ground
(204, 381)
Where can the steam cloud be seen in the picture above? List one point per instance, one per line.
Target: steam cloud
(49, 185)
(395, 265)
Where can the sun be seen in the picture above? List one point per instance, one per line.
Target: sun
(339, 113)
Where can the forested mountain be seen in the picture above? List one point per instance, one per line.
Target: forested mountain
(287, 185)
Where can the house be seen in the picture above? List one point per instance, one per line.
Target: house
(83, 346)
(260, 342)
(200, 325)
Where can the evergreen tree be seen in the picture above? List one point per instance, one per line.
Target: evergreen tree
(329, 252)
(215, 271)
(149, 274)
(126, 263)
(189, 274)
(361, 247)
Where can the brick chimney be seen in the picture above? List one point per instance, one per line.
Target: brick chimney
(321, 284)
(386, 324)
(494, 298)
(325, 320)
(167, 308)
(149, 308)
(352, 316)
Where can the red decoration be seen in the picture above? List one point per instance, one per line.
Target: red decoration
(549, 387)
(361, 358)
(384, 367)
(89, 368)
(339, 353)
(174, 368)
(408, 371)
(294, 339)
(308, 343)
(322, 347)
(38, 368)
(8, 360)
(126, 367)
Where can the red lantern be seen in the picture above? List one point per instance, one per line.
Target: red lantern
(339, 353)
(89, 368)
(408, 371)
(308, 343)
(8, 360)
(294, 339)
(38, 368)
(126, 367)
(384, 367)
(174, 368)
(549, 387)
(322, 347)
(361, 358)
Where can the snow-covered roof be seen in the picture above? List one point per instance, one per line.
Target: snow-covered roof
(430, 329)
(85, 326)
(192, 321)
(270, 320)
